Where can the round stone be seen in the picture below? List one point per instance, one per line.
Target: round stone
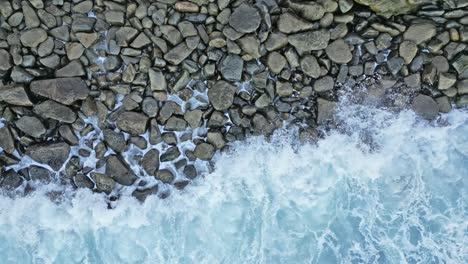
(245, 19)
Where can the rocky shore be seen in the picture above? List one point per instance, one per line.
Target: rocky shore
(136, 96)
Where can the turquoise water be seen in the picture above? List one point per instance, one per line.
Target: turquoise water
(387, 188)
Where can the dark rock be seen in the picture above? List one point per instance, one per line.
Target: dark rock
(141, 195)
(231, 68)
(132, 122)
(6, 140)
(119, 170)
(10, 180)
(53, 154)
(15, 95)
(37, 173)
(425, 106)
(190, 172)
(221, 95)
(171, 153)
(245, 19)
(150, 161)
(51, 109)
(63, 90)
(116, 141)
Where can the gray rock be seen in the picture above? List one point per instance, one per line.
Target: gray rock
(150, 107)
(324, 84)
(290, 23)
(20, 75)
(276, 62)
(33, 37)
(462, 101)
(112, 63)
(61, 33)
(190, 172)
(204, 151)
(132, 122)
(261, 126)
(119, 170)
(179, 53)
(408, 50)
(87, 39)
(15, 95)
(394, 65)
(74, 50)
(419, 33)
(53, 154)
(175, 124)
(345, 5)
(141, 195)
(425, 106)
(338, 51)
(53, 110)
(283, 89)
(193, 117)
(216, 139)
(150, 162)
(37, 173)
(310, 66)
(221, 95)
(6, 140)
(276, 41)
(461, 66)
(5, 60)
(231, 68)
(72, 69)
(444, 104)
(157, 80)
(170, 154)
(462, 87)
(30, 17)
(103, 182)
(308, 9)
(115, 140)
(165, 176)
(125, 35)
(310, 40)
(68, 135)
(114, 17)
(441, 64)
(245, 19)
(63, 90)
(140, 41)
(31, 126)
(10, 180)
(250, 45)
(325, 110)
(446, 80)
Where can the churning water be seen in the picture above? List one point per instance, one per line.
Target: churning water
(387, 188)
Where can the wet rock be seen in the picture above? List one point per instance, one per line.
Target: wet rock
(87, 39)
(408, 50)
(74, 50)
(140, 41)
(132, 122)
(193, 117)
(324, 84)
(30, 17)
(462, 87)
(170, 154)
(308, 9)
(231, 68)
(395, 64)
(63, 90)
(114, 17)
(33, 37)
(141, 195)
(6, 140)
(165, 176)
(31, 126)
(389, 7)
(186, 7)
(176, 124)
(216, 139)
(338, 51)
(425, 106)
(419, 33)
(204, 151)
(221, 95)
(190, 172)
(40, 174)
(10, 180)
(261, 126)
(68, 135)
(446, 80)
(325, 110)
(250, 45)
(276, 41)
(441, 64)
(176, 55)
(72, 69)
(115, 140)
(283, 89)
(276, 62)
(150, 107)
(245, 19)
(53, 154)
(15, 95)
(461, 66)
(119, 170)
(20, 75)
(5, 60)
(150, 161)
(157, 80)
(445, 106)
(310, 40)
(53, 110)
(103, 182)
(290, 23)
(310, 66)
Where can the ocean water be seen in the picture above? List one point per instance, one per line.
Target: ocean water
(385, 188)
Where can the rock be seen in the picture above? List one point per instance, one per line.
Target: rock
(112, 63)
(124, 36)
(325, 110)
(132, 122)
(74, 50)
(462, 87)
(261, 126)
(10, 180)
(87, 39)
(150, 107)
(204, 151)
(324, 84)
(250, 45)
(245, 19)
(441, 64)
(419, 33)
(395, 64)
(157, 80)
(5, 60)
(31, 126)
(231, 68)
(310, 40)
(72, 69)
(276, 62)
(446, 80)
(61, 33)
(425, 106)
(190, 172)
(63, 90)
(461, 66)
(309, 10)
(37, 173)
(165, 176)
(68, 135)
(221, 95)
(33, 37)
(216, 139)
(444, 104)
(30, 17)
(283, 89)
(14, 95)
(276, 41)
(389, 8)
(345, 5)
(290, 23)
(150, 162)
(338, 51)
(176, 124)
(53, 154)
(53, 110)
(176, 55)
(6, 140)
(119, 170)
(170, 154)
(20, 75)
(114, 17)
(310, 66)
(462, 101)
(186, 7)
(141, 195)
(193, 117)
(141, 41)
(408, 50)
(115, 140)
(82, 181)
(103, 182)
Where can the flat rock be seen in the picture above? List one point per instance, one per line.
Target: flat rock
(324, 84)
(310, 66)
(157, 80)
(338, 51)
(446, 80)
(150, 162)
(31, 126)
(14, 95)
(204, 151)
(103, 182)
(221, 95)
(419, 33)
(87, 39)
(33, 37)
(6, 140)
(53, 110)
(245, 19)
(310, 40)
(72, 69)
(276, 62)
(408, 50)
(176, 55)
(425, 106)
(132, 122)
(290, 23)
(231, 68)
(309, 10)
(5, 60)
(119, 170)
(53, 154)
(63, 90)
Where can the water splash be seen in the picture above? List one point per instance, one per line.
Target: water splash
(386, 188)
